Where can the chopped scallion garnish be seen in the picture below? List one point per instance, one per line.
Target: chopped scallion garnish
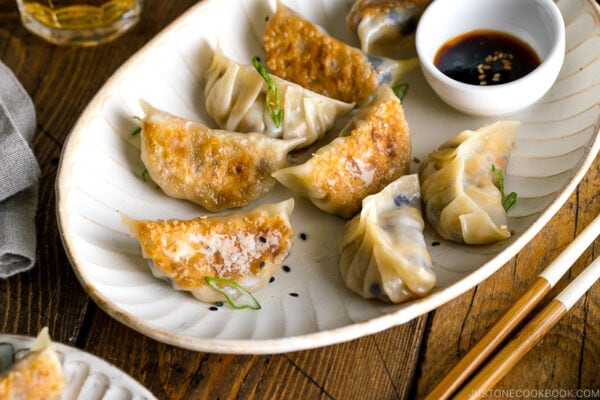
(508, 201)
(137, 130)
(400, 90)
(144, 175)
(237, 296)
(273, 100)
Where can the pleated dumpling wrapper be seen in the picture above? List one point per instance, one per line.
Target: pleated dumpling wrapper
(383, 253)
(460, 188)
(239, 99)
(385, 27)
(371, 151)
(36, 376)
(214, 168)
(302, 52)
(242, 249)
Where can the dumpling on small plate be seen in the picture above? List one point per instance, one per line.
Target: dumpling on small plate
(241, 249)
(236, 96)
(302, 52)
(460, 185)
(385, 27)
(214, 168)
(383, 253)
(36, 376)
(372, 150)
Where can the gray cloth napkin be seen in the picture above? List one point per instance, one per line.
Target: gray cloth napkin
(19, 173)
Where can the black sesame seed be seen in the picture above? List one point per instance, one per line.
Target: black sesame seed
(262, 264)
(213, 308)
(219, 303)
(272, 279)
(286, 268)
(262, 239)
(435, 243)
(294, 294)
(303, 236)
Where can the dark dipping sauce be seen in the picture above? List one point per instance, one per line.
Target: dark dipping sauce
(486, 57)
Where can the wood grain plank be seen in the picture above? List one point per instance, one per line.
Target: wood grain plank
(328, 373)
(174, 373)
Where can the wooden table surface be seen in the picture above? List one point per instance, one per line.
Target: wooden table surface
(401, 362)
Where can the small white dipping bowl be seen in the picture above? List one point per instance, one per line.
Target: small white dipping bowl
(538, 23)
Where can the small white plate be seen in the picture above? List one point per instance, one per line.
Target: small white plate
(88, 377)
(308, 306)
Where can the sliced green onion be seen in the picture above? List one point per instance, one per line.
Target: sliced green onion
(144, 175)
(508, 201)
(273, 100)
(400, 90)
(137, 130)
(243, 298)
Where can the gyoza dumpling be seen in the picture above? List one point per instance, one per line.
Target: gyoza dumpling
(245, 247)
(216, 169)
(235, 96)
(459, 190)
(36, 376)
(371, 151)
(385, 26)
(301, 52)
(383, 251)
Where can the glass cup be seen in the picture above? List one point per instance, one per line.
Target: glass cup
(79, 22)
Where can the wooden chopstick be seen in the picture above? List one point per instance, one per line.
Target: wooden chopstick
(508, 356)
(513, 316)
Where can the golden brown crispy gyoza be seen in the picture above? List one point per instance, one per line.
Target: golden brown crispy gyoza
(214, 168)
(371, 151)
(301, 52)
(245, 247)
(37, 376)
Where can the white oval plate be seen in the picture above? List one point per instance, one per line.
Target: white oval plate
(100, 176)
(88, 377)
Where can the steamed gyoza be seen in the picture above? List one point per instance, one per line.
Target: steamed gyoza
(459, 190)
(235, 96)
(383, 251)
(385, 26)
(301, 52)
(216, 169)
(244, 247)
(372, 150)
